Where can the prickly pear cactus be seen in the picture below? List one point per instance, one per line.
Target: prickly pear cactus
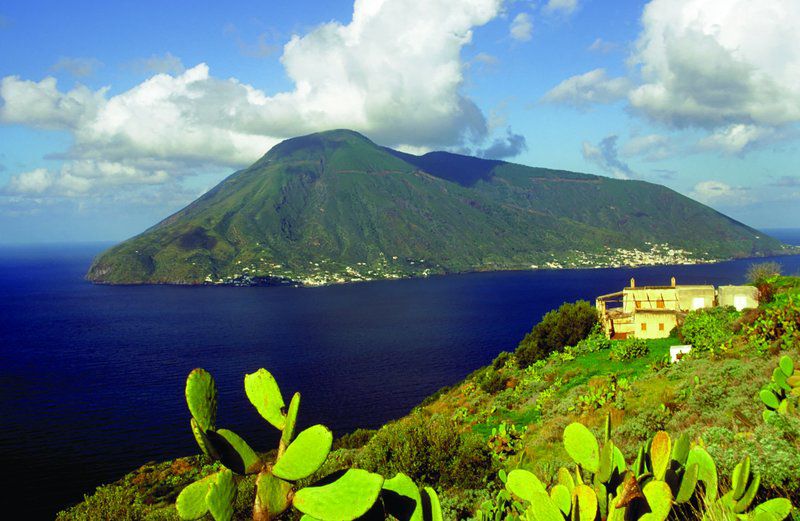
(782, 393)
(667, 481)
(348, 497)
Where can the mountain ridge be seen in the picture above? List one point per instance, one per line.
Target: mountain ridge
(335, 207)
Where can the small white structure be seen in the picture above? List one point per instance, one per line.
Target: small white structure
(675, 352)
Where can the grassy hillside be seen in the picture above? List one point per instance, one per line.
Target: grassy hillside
(504, 417)
(335, 207)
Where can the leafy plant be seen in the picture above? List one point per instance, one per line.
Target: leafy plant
(761, 272)
(505, 440)
(629, 349)
(782, 393)
(709, 329)
(566, 326)
(665, 480)
(299, 456)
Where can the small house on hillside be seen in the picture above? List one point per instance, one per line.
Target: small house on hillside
(653, 311)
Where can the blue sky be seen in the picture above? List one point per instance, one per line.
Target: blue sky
(114, 115)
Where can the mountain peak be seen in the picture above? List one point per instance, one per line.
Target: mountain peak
(317, 142)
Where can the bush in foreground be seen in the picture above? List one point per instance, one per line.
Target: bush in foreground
(566, 326)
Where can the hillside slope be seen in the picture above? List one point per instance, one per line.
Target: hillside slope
(335, 207)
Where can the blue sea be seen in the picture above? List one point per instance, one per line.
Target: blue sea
(92, 377)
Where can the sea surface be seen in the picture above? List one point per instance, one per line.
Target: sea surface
(92, 377)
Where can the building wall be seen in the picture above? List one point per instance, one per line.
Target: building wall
(654, 325)
(689, 297)
(636, 299)
(740, 297)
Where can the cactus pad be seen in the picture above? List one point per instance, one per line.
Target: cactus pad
(402, 499)
(202, 440)
(688, 484)
(659, 498)
(706, 471)
(773, 510)
(565, 478)
(201, 397)
(220, 496)
(263, 392)
(787, 365)
(435, 512)
(347, 498)
(272, 494)
(543, 508)
(584, 503)
(305, 454)
(291, 420)
(524, 484)
(660, 454)
(562, 497)
(769, 398)
(582, 446)
(234, 452)
(191, 502)
(680, 451)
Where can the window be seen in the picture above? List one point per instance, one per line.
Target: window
(638, 304)
(698, 303)
(739, 302)
(644, 326)
(660, 303)
(661, 326)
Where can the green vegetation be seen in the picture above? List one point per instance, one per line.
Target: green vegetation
(782, 394)
(586, 424)
(350, 496)
(565, 326)
(335, 207)
(709, 329)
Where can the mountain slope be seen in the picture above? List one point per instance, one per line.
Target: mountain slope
(333, 206)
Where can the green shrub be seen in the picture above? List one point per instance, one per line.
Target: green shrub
(629, 349)
(492, 381)
(501, 360)
(354, 440)
(709, 329)
(429, 450)
(566, 326)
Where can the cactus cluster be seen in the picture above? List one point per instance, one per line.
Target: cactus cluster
(352, 495)
(505, 440)
(782, 393)
(667, 480)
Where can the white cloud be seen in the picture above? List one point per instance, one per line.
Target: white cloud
(78, 67)
(522, 27)
(565, 7)
(736, 139)
(712, 63)
(43, 105)
(399, 83)
(717, 192)
(585, 89)
(652, 147)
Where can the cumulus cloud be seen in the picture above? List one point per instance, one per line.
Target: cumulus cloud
(589, 88)
(606, 156)
(652, 147)
(399, 83)
(736, 139)
(42, 105)
(503, 148)
(77, 67)
(717, 192)
(564, 7)
(712, 63)
(522, 27)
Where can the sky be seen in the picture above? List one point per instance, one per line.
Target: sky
(113, 115)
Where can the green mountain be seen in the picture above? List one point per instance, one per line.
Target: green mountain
(335, 207)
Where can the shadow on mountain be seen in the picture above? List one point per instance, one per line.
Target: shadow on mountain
(464, 170)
